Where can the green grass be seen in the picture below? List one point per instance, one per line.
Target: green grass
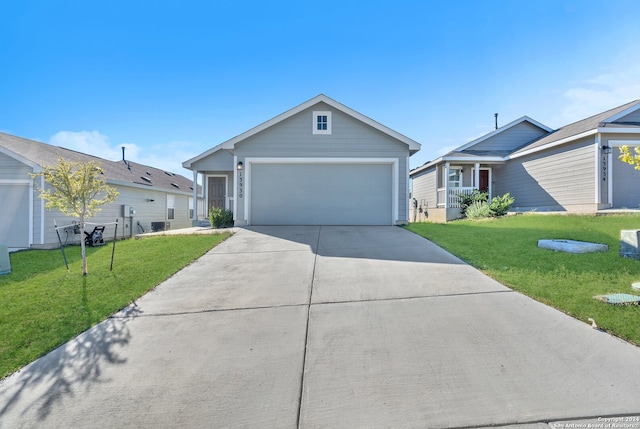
(42, 305)
(506, 250)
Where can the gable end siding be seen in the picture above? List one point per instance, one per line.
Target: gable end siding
(511, 139)
(631, 117)
(553, 179)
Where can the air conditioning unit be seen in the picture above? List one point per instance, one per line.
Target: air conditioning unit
(158, 226)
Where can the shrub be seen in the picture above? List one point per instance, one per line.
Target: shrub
(467, 200)
(221, 218)
(479, 210)
(500, 205)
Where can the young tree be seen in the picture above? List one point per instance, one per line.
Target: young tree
(78, 190)
(629, 158)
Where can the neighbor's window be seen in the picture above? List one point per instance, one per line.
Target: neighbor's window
(455, 177)
(321, 122)
(190, 208)
(171, 207)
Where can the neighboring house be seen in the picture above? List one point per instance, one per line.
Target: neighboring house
(159, 198)
(573, 169)
(320, 163)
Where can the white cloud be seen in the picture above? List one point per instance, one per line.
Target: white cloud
(617, 84)
(167, 157)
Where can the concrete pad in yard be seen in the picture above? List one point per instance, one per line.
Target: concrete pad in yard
(460, 361)
(228, 281)
(271, 239)
(217, 369)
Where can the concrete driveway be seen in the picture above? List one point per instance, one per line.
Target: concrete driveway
(330, 327)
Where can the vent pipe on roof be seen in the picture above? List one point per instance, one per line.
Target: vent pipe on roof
(123, 154)
(495, 116)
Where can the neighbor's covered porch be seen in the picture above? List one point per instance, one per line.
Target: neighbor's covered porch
(456, 178)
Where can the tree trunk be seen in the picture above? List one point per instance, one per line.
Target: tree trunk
(82, 247)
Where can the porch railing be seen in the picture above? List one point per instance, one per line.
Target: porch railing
(454, 200)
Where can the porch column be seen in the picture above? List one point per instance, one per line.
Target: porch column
(446, 185)
(476, 179)
(195, 195)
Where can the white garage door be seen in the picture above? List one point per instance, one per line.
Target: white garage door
(14, 216)
(321, 194)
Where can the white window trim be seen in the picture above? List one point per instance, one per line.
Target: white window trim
(447, 173)
(226, 190)
(171, 204)
(314, 120)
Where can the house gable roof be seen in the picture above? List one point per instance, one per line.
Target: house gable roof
(38, 154)
(469, 153)
(230, 144)
(583, 128)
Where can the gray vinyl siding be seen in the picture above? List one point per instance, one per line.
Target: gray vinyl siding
(11, 168)
(424, 188)
(218, 161)
(350, 138)
(552, 179)
(631, 117)
(14, 216)
(511, 139)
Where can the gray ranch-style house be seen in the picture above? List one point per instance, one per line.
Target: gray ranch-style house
(320, 163)
(149, 198)
(574, 169)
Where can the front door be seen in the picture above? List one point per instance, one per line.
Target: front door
(217, 192)
(483, 184)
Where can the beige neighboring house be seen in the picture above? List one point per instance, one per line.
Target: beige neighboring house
(149, 198)
(574, 169)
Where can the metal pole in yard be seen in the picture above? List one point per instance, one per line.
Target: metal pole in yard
(113, 249)
(61, 246)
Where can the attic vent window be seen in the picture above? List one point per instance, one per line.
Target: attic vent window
(146, 179)
(321, 122)
(175, 185)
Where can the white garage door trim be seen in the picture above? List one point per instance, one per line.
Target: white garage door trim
(30, 184)
(394, 176)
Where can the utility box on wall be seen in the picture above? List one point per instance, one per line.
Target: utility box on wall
(5, 262)
(629, 241)
(128, 211)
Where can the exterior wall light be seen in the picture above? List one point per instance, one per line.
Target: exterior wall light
(240, 165)
(607, 150)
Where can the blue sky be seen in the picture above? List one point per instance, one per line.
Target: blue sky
(170, 80)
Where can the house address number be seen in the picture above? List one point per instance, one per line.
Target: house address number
(604, 168)
(240, 185)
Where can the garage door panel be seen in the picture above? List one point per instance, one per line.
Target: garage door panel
(626, 192)
(321, 194)
(14, 217)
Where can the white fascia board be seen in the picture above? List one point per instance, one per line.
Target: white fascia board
(425, 166)
(622, 114)
(624, 142)
(36, 167)
(502, 129)
(475, 159)
(608, 130)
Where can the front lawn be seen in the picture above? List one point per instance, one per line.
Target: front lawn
(506, 250)
(42, 305)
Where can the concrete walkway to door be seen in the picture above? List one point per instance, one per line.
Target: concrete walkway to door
(340, 327)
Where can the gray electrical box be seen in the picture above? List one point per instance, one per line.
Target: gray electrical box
(5, 262)
(128, 211)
